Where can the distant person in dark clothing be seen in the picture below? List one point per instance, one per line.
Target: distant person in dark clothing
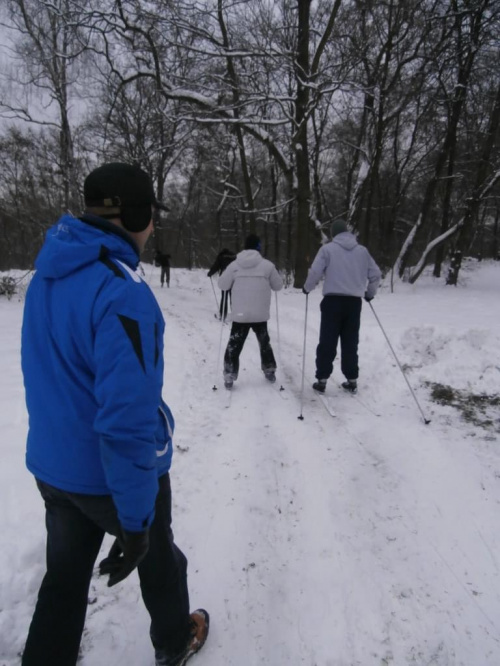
(224, 258)
(163, 260)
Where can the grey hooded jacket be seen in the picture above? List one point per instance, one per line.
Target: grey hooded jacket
(348, 268)
(251, 278)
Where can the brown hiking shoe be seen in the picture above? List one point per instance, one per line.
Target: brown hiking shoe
(199, 622)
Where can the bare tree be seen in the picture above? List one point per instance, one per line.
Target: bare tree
(467, 27)
(279, 117)
(49, 50)
(29, 194)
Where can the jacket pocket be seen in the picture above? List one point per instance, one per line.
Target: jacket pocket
(165, 430)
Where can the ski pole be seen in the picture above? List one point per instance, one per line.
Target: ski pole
(426, 420)
(213, 289)
(214, 387)
(278, 326)
(278, 331)
(301, 417)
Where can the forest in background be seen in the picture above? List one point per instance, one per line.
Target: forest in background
(266, 116)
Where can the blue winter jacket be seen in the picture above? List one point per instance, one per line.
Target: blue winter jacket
(92, 359)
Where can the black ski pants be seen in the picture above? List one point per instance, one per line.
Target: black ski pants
(340, 318)
(239, 333)
(165, 275)
(76, 525)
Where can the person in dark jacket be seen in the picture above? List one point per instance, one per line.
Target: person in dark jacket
(222, 261)
(253, 278)
(350, 274)
(163, 260)
(100, 435)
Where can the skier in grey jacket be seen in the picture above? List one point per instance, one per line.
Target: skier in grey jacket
(251, 278)
(350, 274)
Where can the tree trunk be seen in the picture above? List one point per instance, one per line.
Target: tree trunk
(274, 215)
(247, 184)
(445, 220)
(300, 146)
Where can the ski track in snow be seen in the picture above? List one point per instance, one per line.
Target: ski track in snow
(359, 540)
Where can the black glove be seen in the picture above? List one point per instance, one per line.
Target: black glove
(125, 554)
(304, 291)
(368, 298)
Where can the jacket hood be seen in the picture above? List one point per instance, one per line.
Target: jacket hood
(248, 258)
(72, 244)
(346, 240)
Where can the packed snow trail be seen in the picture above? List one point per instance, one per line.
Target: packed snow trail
(359, 540)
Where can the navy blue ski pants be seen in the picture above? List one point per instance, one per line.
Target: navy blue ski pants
(340, 319)
(76, 525)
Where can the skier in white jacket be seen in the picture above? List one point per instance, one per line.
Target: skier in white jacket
(251, 278)
(350, 274)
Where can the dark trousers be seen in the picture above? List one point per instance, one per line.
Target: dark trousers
(340, 318)
(225, 299)
(239, 333)
(165, 275)
(76, 525)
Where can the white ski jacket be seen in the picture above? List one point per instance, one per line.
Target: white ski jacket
(251, 278)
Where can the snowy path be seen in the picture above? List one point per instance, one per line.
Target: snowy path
(350, 541)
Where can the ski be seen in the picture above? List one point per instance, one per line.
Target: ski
(362, 402)
(367, 406)
(327, 403)
(353, 396)
(228, 397)
(275, 388)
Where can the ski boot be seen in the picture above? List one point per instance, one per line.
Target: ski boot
(351, 385)
(270, 375)
(320, 385)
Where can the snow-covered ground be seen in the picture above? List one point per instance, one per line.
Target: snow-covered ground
(368, 539)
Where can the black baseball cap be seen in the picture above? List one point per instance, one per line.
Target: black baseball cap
(122, 190)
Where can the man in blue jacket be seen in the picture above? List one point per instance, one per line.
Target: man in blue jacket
(100, 435)
(350, 274)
